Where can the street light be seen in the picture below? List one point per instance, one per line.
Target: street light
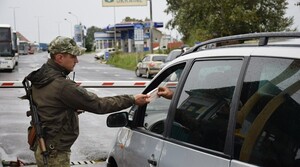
(75, 16)
(15, 26)
(38, 22)
(58, 27)
(80, 29)
(70, 26)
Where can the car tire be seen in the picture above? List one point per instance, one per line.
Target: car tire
(137, 73)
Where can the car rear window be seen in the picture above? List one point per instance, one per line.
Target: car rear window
(159, 58)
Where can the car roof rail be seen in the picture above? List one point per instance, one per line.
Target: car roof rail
(234, 40)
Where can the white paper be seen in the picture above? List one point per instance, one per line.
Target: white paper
(153, 94)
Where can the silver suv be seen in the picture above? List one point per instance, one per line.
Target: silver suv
(235, 104)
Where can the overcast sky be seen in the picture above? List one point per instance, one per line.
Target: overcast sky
(51, 14)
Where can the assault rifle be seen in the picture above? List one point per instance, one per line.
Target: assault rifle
(36, 129)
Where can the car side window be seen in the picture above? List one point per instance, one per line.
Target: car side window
(147, 58)
(267, 128)
(157, 110)
(203, 109)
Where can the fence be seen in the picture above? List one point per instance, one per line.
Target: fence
(87, 84)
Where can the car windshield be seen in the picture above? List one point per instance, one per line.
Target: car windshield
(159, 58)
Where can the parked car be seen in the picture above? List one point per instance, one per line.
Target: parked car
(171, 56)
(174, 54)
(150, 64)
(101, 54)
(233, 105)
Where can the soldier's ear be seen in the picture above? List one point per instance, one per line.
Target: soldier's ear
(58, 58)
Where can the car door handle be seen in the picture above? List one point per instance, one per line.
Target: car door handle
(152, 162)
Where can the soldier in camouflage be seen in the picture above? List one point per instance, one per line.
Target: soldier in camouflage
(58, 99)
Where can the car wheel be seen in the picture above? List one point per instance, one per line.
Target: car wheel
(137, 73)
(111, 163)
(148, 75)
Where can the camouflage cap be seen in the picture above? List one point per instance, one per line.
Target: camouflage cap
(65, 45)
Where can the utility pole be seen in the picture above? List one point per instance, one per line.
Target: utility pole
(151, 27)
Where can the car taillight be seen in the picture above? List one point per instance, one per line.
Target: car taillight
(151, 64)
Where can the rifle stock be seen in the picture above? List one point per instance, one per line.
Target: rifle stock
(36, 130)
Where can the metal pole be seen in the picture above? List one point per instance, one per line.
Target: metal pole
(15, 20)
(115, 29)
(14, 12)
(38, 21)
(81, 34)
(58, 27)
(81, 28)
(71, 35)
(151, 28)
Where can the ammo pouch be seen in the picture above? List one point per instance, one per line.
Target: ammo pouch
(32, 138)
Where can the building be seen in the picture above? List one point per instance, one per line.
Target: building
(129, 36)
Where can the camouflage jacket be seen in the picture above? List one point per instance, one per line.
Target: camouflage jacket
(58, 99)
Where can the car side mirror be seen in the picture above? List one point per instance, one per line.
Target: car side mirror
(117, 119)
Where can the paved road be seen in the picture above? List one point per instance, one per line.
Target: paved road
(95, 137)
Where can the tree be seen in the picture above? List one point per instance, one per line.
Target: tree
(129, 19)
(89, 42)
(217, 18)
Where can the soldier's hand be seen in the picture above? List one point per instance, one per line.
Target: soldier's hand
(141, 99)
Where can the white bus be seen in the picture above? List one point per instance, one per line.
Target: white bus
(23, 47)
(8, 48)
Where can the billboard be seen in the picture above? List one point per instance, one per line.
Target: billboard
(78, 34)
(117, 3)
(138, 34)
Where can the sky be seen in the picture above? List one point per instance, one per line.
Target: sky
(43, 20)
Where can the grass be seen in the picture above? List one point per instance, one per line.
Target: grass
(128, 60)
(125, 60)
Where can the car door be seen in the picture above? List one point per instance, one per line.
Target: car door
(144, 64)
(202, 107)
(144, 141)
(267, 123)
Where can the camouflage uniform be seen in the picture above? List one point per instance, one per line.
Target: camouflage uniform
(58, 99)
(55, 159)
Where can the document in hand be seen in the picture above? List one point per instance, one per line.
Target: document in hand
(153, 94)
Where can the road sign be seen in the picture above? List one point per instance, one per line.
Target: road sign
(117, 3)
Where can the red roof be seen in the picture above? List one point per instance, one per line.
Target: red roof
(21, 37)
(175, 45)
